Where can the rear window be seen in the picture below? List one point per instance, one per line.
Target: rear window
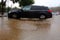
(39, 8)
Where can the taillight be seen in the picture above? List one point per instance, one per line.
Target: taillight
(49, 10)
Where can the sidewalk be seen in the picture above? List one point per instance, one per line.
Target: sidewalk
(5, 15)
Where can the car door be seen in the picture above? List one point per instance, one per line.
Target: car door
(30, 11)
(35, 11)
(26, 11)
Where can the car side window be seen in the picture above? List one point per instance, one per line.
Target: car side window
(26, 8)
(39, 8)
(35, 8)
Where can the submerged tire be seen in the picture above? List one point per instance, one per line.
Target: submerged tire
(13, 15)
(42, 16)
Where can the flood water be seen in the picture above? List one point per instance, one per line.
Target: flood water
(28, 29)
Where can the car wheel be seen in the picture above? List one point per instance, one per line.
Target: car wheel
(14, 15)
(42, 16)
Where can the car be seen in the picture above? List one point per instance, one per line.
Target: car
(31, 11)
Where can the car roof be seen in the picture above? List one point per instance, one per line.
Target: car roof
(38, 6)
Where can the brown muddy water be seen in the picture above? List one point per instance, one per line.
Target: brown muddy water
(28, 29)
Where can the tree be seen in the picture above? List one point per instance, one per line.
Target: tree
(55, 9)
(24, 2)
(15, 1)
(2, 6)
(8, 9)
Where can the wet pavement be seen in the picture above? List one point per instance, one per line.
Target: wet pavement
(30, 29)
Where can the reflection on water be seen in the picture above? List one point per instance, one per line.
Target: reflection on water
(8, 31)
(14, 29)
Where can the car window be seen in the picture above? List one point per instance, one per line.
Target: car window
(39, 8)
(26, 8)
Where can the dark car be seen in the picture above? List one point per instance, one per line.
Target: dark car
(40, 12)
